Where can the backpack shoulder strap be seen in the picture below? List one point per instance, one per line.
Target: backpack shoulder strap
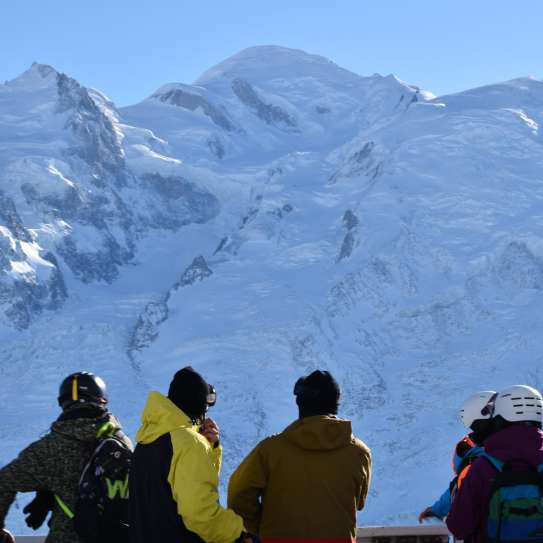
(498, 464)
(108, 429)
(64, 508)
(112, 430)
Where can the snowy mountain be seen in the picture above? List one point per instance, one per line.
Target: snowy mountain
(75, 188)
(266, 102)
(281, 214)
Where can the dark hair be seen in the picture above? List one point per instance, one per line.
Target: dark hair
(317, 394)
(482, 430)
(189, 391)
(499, 423)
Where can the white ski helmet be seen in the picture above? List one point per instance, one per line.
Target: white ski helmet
(477, 407)
(519, 403)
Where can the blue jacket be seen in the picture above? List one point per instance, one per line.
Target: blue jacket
(442, 506)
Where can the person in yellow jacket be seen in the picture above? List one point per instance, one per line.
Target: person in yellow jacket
(306, 483)
(175, 470)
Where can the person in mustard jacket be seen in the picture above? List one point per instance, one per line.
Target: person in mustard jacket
(175, 470)
(307, 482)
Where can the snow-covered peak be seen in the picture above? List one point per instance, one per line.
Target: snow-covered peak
(43, 83)
(36, 77)
(523, 92)
(267, 99)
(270, 62)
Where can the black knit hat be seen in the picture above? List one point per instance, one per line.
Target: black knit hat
(317, 394)
(189, 391)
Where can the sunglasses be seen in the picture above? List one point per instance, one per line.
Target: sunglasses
(211, 398)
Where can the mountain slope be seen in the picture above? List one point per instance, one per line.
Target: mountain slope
(281, 214)
(408, 262)
(265, 102)
(76, 189)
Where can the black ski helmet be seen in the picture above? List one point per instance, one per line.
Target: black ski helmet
(82, 388)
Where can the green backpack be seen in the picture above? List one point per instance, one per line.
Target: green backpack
(515, 512)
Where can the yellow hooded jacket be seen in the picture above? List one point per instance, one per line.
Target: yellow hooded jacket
(167, 434)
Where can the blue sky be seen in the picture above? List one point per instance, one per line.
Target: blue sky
(127, 49)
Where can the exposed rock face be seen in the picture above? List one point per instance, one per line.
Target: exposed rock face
(174, 202)
(27, 299)
(99, 144)
(28, 283)
(10, 219)
(197, 271)
(101, 264)
(366, 161)
(76, 200)
(146, 329)
(192, 102)
(156, 312)
(350, 222)
(216, 147)
(520, 267)
(269, 113)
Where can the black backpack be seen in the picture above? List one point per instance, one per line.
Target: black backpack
(101, 510)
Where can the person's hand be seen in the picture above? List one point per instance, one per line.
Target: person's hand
(426, 514)
(247, 537)
(210, 431)
(6, 537)
(38, 509)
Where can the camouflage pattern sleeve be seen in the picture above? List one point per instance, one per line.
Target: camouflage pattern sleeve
(20, 475)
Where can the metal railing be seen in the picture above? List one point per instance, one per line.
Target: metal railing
(433, 533)
(375, 534)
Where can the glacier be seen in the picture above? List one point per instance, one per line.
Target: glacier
(280, 214)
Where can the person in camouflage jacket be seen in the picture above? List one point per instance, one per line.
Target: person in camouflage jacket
(52, 466)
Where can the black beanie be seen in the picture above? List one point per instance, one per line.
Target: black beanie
(188, 390)
(317, 394)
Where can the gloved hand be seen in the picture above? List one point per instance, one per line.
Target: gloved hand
(6, 537)
(426, 514)
(38, 509)
(247, 537)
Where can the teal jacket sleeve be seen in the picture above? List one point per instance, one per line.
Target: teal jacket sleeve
(442, 506)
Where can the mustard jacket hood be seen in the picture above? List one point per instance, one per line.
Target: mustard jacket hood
(160, 416)
(320, 433)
